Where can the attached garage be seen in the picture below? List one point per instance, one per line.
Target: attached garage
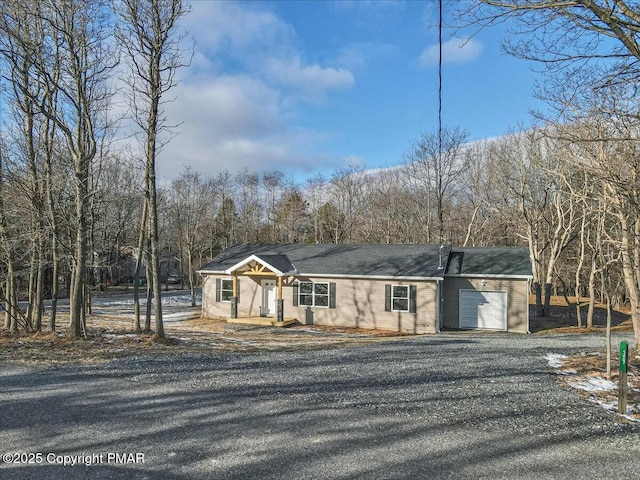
(487, 288)
(483, 309)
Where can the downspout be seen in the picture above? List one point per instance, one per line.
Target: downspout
(439, 306)
(527, 302)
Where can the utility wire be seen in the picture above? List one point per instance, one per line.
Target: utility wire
(440, 84)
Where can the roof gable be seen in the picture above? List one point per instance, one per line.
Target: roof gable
(277, 264)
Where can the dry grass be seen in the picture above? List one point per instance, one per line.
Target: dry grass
(562, 317)
(580, 368)
(112, 337)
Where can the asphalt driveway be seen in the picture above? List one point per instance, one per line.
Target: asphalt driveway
(461, 406)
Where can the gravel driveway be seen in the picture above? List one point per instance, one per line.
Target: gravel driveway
(463, 406)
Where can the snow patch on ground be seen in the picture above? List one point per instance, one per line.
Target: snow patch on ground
(180, 316)
(568, 371)
(240, 341)
(599, 390)
(612, 406)
(594, 384)
(555, 360)
(127, 300)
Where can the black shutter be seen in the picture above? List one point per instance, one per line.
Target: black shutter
(295, 294)
(387, 298)
(218, 288)
(332, 295)
(238, 289)
(413, 291)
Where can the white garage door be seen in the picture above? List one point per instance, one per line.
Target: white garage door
(483, 309)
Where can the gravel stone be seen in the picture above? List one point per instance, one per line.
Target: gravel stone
(458, 405)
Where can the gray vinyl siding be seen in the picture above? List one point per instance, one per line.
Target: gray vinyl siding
(517, 299)
(359, 303)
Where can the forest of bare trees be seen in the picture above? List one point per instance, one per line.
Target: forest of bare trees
(73, 207)
(60, 62)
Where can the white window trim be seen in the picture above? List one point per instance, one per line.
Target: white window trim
(313, 294)
(222, 289)
(408, 298)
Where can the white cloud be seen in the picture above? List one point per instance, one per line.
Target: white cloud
(358, 55)
(246, 86)
(454, 50)
(354, 161)
(312, 81)
(238, 29)
(232, 123)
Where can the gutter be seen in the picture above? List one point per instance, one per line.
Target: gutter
(332, 275)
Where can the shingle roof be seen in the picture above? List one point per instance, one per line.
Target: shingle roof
(281, 262)
(384, 260)
(489, 261)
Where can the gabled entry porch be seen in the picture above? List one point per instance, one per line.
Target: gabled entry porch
(271, 272)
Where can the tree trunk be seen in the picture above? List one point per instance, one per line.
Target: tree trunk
(39, 294)
(76, 301)
(538, 292)
(12, 299)
(153, 218)
(583, 225)
(547, 299)
(608, 335)
(592, 291)
(630, 278)
(147, 318)
(53, 224)
(192, 285)
(54, 286)
(148, 305)
(7, 317)
(136, 277)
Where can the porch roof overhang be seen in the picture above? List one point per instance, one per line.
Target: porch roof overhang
(278, 265)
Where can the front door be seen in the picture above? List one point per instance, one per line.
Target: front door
(268, 298)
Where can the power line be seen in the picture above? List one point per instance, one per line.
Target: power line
(440, 83)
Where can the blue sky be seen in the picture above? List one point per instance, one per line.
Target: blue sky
(307, 86)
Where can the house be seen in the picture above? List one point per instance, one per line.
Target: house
(406, 288)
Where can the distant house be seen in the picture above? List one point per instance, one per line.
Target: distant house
(406, 288)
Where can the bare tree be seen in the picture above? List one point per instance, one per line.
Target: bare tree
(249, 206)
(524, 176)
(607, 150)
(6, 241)
(188, 201)
(273, 183)
(149, 35)
(315, 189)
(347, 193)
(596, 42)
(435, 167)
(292, 216)
(225, 218)
(72, 61)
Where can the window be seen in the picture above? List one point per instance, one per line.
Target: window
(306, 293)
(312, 294)
(400, 298)
(224, 289)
